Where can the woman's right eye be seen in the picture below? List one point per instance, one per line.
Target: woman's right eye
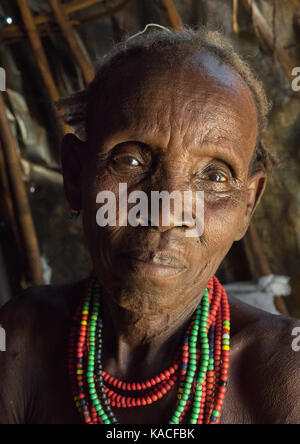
(130, 158)
(123, 160)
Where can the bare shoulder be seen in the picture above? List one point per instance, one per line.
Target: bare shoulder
(35, 309)
(271, 347)
(36, 325)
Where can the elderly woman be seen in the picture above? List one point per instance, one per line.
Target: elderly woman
(146, 339)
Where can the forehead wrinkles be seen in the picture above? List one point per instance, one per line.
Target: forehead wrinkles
(180, 103)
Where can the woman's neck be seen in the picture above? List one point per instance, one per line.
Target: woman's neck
(138, 345)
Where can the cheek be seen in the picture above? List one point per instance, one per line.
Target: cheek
(96, 182)
(223, 218)
(101, 240)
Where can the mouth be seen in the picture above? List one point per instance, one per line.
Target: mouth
(161, 264)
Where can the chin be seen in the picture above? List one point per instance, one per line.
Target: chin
(147, 295)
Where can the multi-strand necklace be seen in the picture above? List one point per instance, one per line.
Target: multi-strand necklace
(199, 369)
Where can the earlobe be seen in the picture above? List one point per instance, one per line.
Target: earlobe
(72, 157)
(256, 187)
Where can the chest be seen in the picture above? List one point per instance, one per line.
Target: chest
(52, 400)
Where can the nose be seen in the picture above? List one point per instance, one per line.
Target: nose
(176, 204)
(167, 210)
(165, 218)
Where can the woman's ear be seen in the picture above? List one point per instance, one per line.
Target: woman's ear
(255, 190)
(73, 153)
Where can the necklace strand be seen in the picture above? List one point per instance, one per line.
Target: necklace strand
(200, 368)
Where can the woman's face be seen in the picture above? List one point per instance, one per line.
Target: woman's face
(191, 127)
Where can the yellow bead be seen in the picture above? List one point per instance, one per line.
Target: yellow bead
(84, 323)
(180, 390)
(85, 312)
(79, 372)
(179, 396)
(226, 348)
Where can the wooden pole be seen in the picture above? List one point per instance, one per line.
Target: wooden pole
(287, 65)
(75, 6)
(78, 5)
(172, 14)
(70, 36)
(263, 265)
(235, 16)
(267, 35)
(42, 61)
(107, 13)
(20, 198)
(14, 33)
(8, 200)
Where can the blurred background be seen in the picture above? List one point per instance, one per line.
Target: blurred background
(48, 49)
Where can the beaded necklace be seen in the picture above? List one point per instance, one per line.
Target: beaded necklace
(200, 368)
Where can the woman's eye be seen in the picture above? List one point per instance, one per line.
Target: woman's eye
(217, 177)
(126, 161)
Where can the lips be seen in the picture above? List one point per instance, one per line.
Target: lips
(155, 263)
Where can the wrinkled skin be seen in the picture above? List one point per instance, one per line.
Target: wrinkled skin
(189, 127)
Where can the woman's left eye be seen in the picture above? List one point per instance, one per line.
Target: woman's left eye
(132, 161)
(217, 177)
